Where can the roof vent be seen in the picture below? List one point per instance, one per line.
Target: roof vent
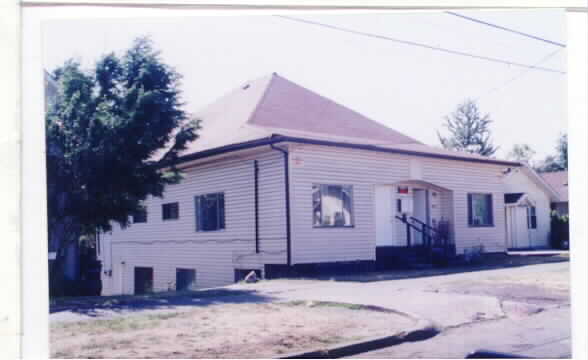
(245, 87)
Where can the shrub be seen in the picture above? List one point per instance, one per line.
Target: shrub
(560, 231)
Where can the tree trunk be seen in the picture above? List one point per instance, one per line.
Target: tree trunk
(62, 235)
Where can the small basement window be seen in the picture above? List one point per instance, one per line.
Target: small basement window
(210, 212)
(531, 217)
(143, 280)
(332, 205)
(185, 279)
(140, 216)
(170, 211)
(480, 210)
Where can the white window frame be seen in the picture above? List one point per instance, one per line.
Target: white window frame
(321, 187)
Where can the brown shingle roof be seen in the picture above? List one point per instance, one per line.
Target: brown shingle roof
(274, 105)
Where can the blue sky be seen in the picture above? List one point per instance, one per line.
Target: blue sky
(407, 88)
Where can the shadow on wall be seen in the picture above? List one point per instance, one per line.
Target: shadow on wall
(91, 305)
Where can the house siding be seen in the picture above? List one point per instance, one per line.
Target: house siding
(364, 170)
(167, 245)
(518, 182)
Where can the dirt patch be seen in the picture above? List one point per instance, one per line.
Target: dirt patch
(225, 331)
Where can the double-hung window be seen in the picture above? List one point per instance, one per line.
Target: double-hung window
(332, 205)
(210, 212)
(531, 217)
(170, 211)
(480, 210)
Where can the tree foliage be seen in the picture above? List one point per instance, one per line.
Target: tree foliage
(109, 133)
(469, 130)
(522, 153)
(559, 161)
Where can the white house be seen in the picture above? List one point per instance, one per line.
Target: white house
(528, 198)
(284, 179)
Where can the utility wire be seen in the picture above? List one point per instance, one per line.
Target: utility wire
(506, 29)
(518, 76)
(421, 45)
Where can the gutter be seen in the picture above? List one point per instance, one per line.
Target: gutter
(276, 138)
(287, 195)
(256, 194)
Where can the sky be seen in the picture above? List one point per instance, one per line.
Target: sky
(407, 88)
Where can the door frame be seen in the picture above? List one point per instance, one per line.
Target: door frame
(392, 215)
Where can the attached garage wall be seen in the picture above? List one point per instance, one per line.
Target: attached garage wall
(171, 244)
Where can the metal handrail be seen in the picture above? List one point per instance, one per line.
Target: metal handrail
(425, 224)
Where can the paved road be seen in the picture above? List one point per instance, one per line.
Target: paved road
(544, 335)
(522, 310)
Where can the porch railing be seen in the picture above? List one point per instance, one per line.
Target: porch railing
(434, 239)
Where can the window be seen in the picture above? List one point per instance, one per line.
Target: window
(170, 211)
(480, 210)
(140, 216)
(210, 212)
(332, 205)
(531, 217)
(185, 279)
(398, 205)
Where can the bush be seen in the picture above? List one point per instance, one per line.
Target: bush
(560, 231)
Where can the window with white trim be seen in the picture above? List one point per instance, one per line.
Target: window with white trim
(332, 205)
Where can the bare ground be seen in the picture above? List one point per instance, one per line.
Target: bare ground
(224, 331)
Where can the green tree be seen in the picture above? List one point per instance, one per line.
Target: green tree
(113, 134)
(559, 161)
(522, 153)
(469, 130)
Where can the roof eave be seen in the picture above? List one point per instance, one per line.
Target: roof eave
(277, 138)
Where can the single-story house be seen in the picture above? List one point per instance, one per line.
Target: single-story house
(527, 200)
(558, 180)
(283, 178)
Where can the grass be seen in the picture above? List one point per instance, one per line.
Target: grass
(119, 324)
(333, 304)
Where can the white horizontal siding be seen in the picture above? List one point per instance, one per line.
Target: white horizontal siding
(518, 182)
(171, 244)
(364, 169)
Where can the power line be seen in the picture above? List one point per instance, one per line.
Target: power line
(421, 45)
(506, 29)
(519, 75)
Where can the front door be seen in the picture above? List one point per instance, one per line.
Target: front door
(384, 213)
(420, 212)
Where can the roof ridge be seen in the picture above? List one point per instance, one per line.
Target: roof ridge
(262, 98)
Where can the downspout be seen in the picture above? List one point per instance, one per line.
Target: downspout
(256, 192)
(287, 193)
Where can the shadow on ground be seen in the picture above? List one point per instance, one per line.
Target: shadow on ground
(92, 305)
(487, 262)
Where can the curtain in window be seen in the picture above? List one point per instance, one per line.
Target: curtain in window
(210, 212)
(332, 205)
